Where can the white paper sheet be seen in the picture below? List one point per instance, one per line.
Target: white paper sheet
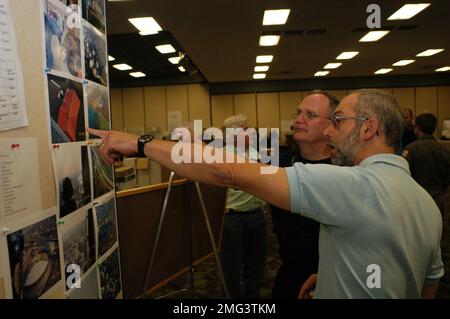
(12, 93)
(20, 192)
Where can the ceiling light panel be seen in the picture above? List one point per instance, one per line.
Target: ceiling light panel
(403, 62)
(332, 65)
(321, 73)
(261, 68)
(165, 48)
(264, 58)
(276, 17)
(122, 67)
(430, 52)
(138, 74)
(347, 55)
(383, 71)
(269, 40)
(257, 76)
(443, 69)
(146, 26)
(110, 58)
(175, 60)
(408, 11)
(373, 36)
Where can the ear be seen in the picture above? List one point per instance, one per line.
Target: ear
(370, 129)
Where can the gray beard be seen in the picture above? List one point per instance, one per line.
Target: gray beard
(345, 153)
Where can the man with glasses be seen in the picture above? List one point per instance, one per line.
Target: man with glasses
(380, 231)
(298, 236)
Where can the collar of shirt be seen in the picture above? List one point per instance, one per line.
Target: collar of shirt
(390, 159)
(427, 137)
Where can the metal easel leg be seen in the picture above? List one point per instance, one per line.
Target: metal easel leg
(158, 232)
(191, 269)
(211, 238)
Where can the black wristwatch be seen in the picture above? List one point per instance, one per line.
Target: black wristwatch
(144, 139)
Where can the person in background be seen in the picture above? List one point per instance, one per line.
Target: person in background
(244, 231)
(429, 160)
(408, 128)
(298, 236)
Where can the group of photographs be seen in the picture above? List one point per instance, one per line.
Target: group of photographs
(83, 230)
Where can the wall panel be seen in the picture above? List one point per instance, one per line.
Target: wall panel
(177, 100)
(268, 106)
(199, 104)
(155, 108)
(116, 109)
(133, 110)
(221, 108)
(443, 106)
(246, 104)
(406, 98)
(426, 100)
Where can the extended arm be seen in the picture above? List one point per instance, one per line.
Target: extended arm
(273, 188)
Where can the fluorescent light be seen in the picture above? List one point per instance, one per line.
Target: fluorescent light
(332, 65)
(443, 69)
(122, 67)
(175, 60)
(138, 74)
(259, 76)
(408, 11)
(110, 58)
(321, 73)
(347, 55)
(430, 52)
(165, 48)
(264, 58)
(383, 71)
(182, 69)
(276, 17)
(262, 68)
(146, 26)
(269, 40)
(403, 62)
(373, 36)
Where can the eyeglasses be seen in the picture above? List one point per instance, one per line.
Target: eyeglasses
(336, 119)
(308, 115)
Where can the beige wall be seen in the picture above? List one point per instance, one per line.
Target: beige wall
(148, 107)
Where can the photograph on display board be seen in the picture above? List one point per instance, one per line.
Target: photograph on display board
(79, 243)
(98, 107)
(69, 2)
(89, 288)
(62, 38)
(107, 226)
(102, 173)
(110, 276)
(95, 56)
(94, 13)
(66, 110)
(72, 169)
(34, 259)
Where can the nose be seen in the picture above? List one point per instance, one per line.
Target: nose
(328, 132)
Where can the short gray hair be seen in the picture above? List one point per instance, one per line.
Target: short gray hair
(235, 120)
(385, 108)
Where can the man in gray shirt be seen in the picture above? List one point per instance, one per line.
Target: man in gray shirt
(380, 233)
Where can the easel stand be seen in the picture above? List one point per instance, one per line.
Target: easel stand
(189, 288)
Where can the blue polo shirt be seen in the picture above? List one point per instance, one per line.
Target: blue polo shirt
(372, 215)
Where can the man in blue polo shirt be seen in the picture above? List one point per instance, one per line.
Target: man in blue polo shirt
(380, 231)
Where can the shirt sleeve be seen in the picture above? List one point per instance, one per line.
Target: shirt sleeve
(436, 270)
(326, 193)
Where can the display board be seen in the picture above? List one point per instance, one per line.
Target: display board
(63, 244)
